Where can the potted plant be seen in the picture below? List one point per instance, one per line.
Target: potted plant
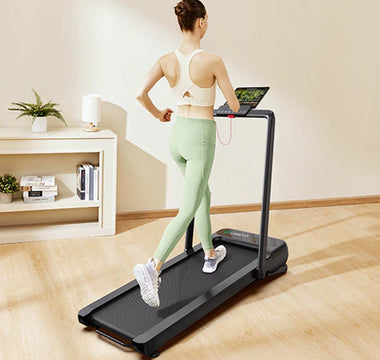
(39, 112)
(8, 186)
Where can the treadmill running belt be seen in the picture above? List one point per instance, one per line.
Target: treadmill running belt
(129, 315)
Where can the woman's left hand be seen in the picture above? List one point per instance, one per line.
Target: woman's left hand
(164, 115)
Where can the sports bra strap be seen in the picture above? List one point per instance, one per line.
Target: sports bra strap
(184, 61)
(196, 51)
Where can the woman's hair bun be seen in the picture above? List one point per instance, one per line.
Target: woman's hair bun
(188, 11)
(181, 9)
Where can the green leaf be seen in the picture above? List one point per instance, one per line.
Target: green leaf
(23, 114)
(33, 106)
(20, 104)
(24, 103)
(39, 101)
(56, 113)
(48, 105)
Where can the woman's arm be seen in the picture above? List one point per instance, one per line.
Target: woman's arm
(150, 79)
(225, 85)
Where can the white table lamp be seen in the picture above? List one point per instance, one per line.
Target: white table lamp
(91, 111)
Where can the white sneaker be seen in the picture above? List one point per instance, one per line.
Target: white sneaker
(211, 264)
(149, 281)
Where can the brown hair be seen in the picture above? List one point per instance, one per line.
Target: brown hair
(188, 11)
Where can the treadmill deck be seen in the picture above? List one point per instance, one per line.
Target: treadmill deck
(186, 292)
(129, 315)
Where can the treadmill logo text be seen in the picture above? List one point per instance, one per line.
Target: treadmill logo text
(236, 233)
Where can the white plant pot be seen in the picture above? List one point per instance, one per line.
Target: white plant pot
(5, 198)
(40, 124)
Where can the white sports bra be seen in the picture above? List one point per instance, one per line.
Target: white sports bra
(199, 96)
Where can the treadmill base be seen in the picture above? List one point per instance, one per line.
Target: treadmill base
(186, 293)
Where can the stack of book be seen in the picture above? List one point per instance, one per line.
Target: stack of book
(38, 188)
(88, 181)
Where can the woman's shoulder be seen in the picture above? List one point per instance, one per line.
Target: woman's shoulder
(210, 56)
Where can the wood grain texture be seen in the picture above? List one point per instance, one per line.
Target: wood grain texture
(325, 307)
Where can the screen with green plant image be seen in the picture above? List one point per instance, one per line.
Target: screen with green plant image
(250, 96)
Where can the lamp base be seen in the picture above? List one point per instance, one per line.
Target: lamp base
(90, 127)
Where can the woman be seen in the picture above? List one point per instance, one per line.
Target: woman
(192, 74)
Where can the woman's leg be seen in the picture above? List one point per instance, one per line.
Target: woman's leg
(202, 220)
(202, 223)
(192, 146)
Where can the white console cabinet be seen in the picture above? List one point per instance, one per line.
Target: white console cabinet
(57, 152)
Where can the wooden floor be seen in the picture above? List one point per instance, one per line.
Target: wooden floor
(325, 307)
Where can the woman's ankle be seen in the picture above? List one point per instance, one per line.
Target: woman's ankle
(157, 264)
(210, 253)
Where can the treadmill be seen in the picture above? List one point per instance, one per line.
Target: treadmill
(187, 293)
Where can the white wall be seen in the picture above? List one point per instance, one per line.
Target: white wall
(320, 58)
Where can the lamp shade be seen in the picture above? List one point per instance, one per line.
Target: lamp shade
(91, 109)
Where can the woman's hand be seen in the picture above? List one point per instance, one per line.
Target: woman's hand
(164, 115)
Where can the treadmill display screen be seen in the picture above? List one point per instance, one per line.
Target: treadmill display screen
(250, 96)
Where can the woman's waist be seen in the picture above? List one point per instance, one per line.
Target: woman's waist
(196, 112)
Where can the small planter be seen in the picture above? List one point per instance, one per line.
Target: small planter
(40, 124)
(8, 186)
(38, 112)
(5, 198)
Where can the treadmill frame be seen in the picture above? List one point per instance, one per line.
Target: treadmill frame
(149, 342)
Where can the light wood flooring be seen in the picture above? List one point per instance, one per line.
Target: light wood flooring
(325, 307)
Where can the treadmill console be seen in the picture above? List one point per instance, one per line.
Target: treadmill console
(249, 98)
(225, 110)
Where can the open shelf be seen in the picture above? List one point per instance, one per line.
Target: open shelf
(64, 201)
(57, 152)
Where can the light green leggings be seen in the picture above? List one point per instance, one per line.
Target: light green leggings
(192, 146)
